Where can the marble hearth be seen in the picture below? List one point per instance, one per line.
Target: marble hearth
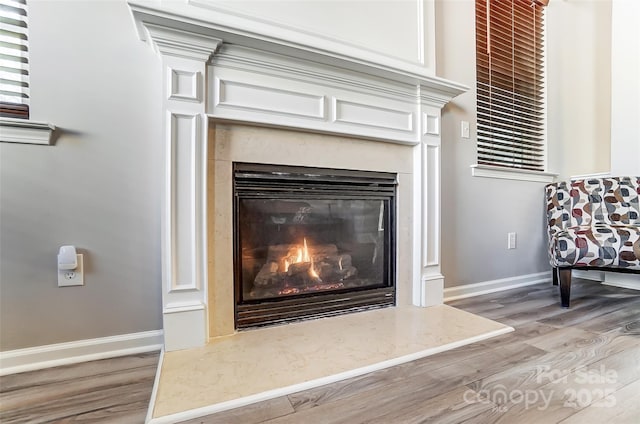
(267, 363)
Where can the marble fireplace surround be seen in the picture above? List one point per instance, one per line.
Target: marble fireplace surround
(231, 94)
(230, 143)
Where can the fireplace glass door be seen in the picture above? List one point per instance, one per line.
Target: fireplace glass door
(311, 242)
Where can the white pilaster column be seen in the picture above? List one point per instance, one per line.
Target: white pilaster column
(184, 289)
(427, 177)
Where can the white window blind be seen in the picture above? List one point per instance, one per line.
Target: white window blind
(509, 73)
(14, 59)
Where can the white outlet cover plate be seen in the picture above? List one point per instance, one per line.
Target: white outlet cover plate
(73, 277)
(464, 129)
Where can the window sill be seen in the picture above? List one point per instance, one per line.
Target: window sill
(512, 174)
(25, 131)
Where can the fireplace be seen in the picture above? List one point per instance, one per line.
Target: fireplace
(223, 69)
(311, 242)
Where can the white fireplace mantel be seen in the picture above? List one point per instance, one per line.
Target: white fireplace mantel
(228, 74)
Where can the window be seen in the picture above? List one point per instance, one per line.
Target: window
(509, 73)
(14, 60)
(14, 79)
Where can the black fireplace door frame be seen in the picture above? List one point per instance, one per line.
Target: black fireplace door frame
(273, 182)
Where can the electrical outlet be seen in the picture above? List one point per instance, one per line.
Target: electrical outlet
(464, 129)
(511, 240)
(72, 277)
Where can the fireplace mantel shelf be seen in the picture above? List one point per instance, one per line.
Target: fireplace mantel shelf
(205, 18)
(221, 67)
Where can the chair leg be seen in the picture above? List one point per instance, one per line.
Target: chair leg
(565, 286)
(554, 276)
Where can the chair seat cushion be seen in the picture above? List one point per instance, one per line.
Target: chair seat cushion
(598, 245)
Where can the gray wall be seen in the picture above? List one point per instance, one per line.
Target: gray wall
(477, 213)
(98, 188)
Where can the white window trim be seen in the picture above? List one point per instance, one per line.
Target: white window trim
(489, 171)
(25, 131)
(592, 175)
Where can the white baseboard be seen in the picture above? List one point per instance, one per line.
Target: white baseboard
(618, 279)
(34, 358)
(485, 287)
(593, 275)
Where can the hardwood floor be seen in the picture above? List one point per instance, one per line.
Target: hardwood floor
(578, 365)
(113, 390)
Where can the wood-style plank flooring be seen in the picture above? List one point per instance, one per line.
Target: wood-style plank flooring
(580, 365)
(115, 390)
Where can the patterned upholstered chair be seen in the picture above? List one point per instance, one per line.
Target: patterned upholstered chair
(593, 224)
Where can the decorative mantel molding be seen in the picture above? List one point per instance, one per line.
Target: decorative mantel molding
(175, 15)
(176, 42)
(227, 75)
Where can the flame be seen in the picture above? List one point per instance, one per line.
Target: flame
(299, 258)
(312, 271)
(302, 255)
(305, 251)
